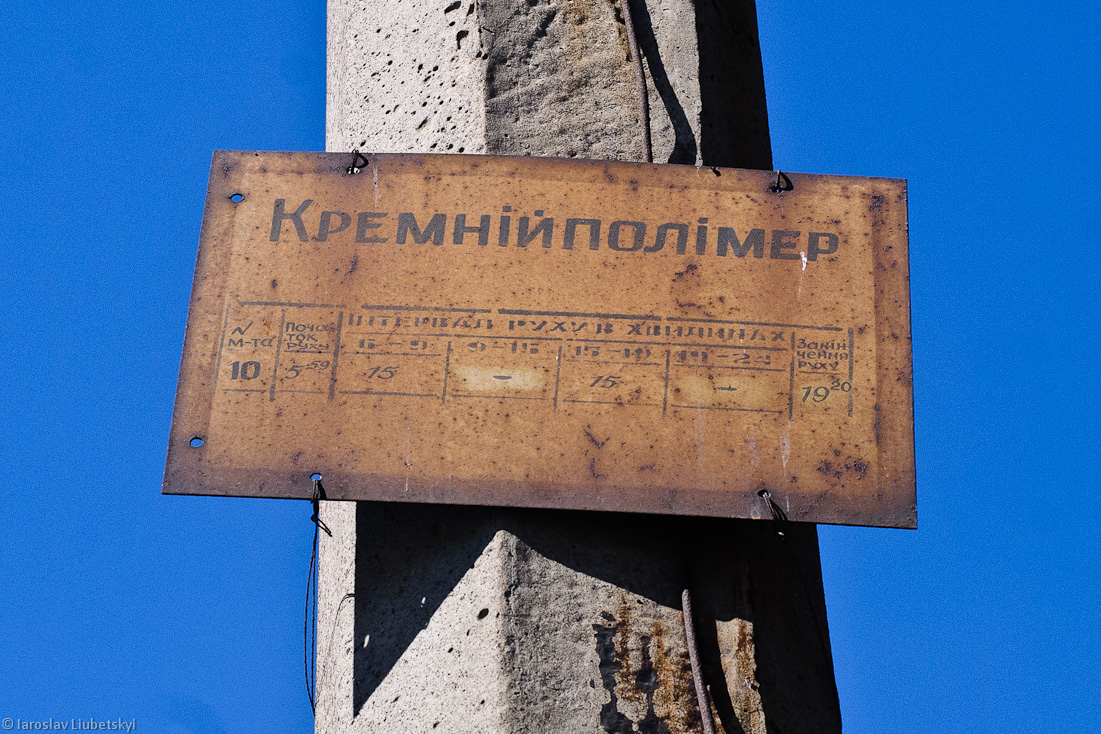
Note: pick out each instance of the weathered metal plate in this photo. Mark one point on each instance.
(549, 333)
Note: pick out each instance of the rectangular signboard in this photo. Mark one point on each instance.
(550, 333)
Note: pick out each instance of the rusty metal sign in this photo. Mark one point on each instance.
(550, 333)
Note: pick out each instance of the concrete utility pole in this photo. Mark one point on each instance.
(470, 619)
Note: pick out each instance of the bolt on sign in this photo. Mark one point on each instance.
(550, 333)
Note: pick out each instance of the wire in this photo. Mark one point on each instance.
(694, 657)
(640, 82)
(309, 631)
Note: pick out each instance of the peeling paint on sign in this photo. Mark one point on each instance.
(549, 333)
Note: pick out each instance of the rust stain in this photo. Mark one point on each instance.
(640, 675)
(593, 439)
(838, 469)
(444, 329)
(689, 269)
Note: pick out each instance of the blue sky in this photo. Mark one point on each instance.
(185, 613)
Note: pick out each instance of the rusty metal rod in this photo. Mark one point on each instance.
(694, 656)
(640, 82)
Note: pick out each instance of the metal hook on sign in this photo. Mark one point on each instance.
(783, 183)
(358, 161)
(778, 514)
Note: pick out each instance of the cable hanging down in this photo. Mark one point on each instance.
(310, 626)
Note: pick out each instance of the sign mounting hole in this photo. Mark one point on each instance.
(315, 477)
(237, 198)
(196, 442)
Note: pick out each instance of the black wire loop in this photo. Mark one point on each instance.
(315, 518)
(783, 183)
(358, 162)
(778, 515)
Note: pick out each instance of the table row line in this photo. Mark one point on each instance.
(734, 379)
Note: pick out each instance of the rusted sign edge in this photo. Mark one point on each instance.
(895, 427)
(194, 392)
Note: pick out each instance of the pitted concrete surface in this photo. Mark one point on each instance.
(511, 78)
(404, 77)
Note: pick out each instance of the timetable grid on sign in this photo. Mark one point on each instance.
(560, 358)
